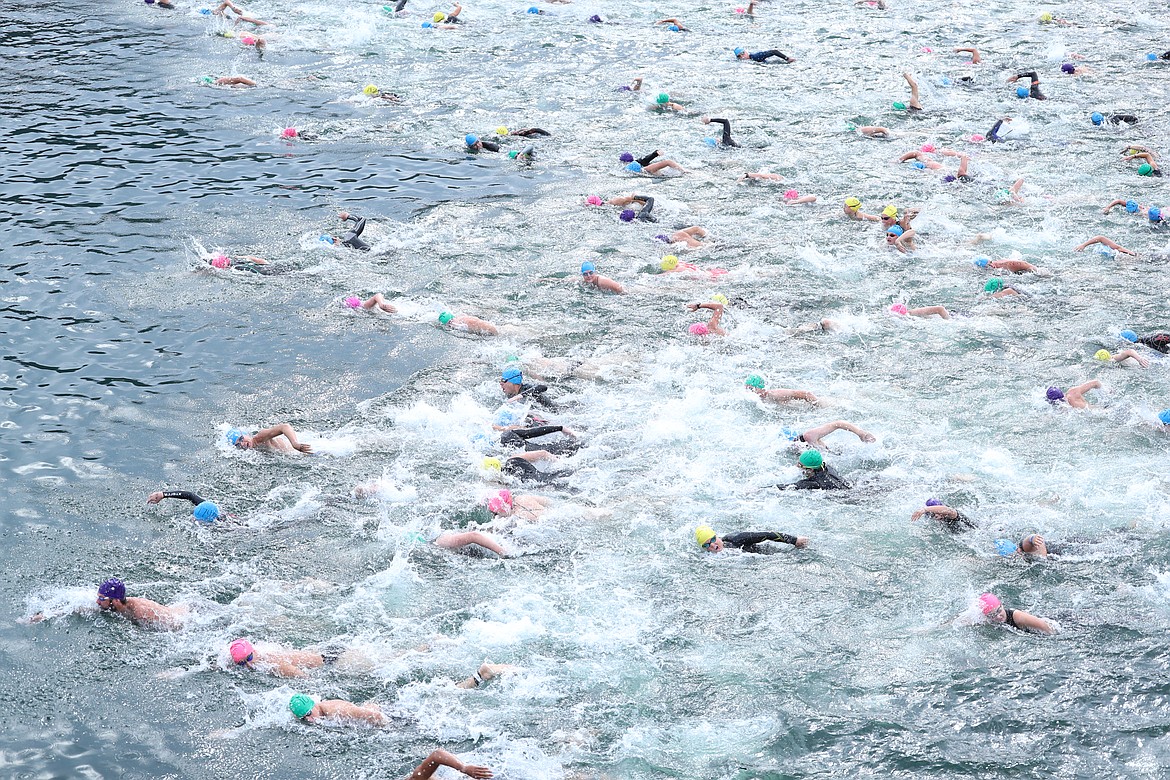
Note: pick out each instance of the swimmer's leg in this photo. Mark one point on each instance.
(914, 102)
(644, 161)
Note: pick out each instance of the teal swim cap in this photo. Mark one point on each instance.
(1145, 169)
(662, 98)
(756, 381)
(300, 704)
(513, 155)
(445, 317)
(993, 285)
(811, 459)
(899, 105)
(206, 512)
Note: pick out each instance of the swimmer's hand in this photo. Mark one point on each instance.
(692, 307)
(37, 618)
(917, 514)
(343, 215)
(868, 437)
(302, 447)
(801, 541)
(154, 497)
(471, 770)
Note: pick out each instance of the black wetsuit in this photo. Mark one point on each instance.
(1034, 88)
(762, 56)
(645, 213)
(958, 523)
(1158, 341)
(747, 540)
(537, 393)
(184, 494)
(526, 472)
(1117, 119)
(993, 133)
(520, 437)
(1010, 618)
(823, 478)
(528, 132)
(351, 239)
(644, 161)
(727, 139)
(399, 6)
(490, 146)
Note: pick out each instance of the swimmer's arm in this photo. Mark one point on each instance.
(938, 511)
(1126, 354)
(284, 668)
(1112, 205)
(458, 10)
(187, 495)
(1032, 623)
(284, 429)
(1080, 390)
(1029, 74)
(975, 58)
(439, 758)
(637, 84)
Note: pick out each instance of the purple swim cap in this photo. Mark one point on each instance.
(626, 157)
(627, 215)
(933, 502)
(1068, 67)
(113, 588)
(950, 177)
(1054, 394)
(662, 238)
(595, 19)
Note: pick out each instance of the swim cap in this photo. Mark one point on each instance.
(352, 301)
(113, 588)
(626, 157)
(221, 261)
(662, 99)
(756, 381)
(928, 148)
(533, 10)
(1129, 336)
(790, 434)
(491, 464)
(247, 40)
(370, 90)
(300, 704)
(1054, 394)
(206, 512)
(919, 164)
(596, 20)
(1046, 17)
(988, 603)
(1164, 417)
(208, 79)
(1145, 169)
(890, 211)
(1068, 67)
(704, 534)
(1151, 57)
(1021, 92)
(289, 132)
(513, 375)
(438, 17)
(673, 28)
(234, 436)
(811, 459)
(737, 51)
(470, 139)
(512, 155)
(791, 194)
(698, 329)
(977, 138)
(950, 177)
(719, 298)
(669, 263)
(993, 285)
(1155, 214)
(899, 105)
(899, 308)
(627, 215)
(426, 25)
(933, 502)
(1102, 354)
(240, 649)
(634, 167)
(588, 267)
(853, 202)
(501, 503)
(662, 238)
(445, 317)
(1097, 117)
(1005, 547)
(710, 142)
(982, 262)
(594, 200)
(1131, 206)
(895, 229)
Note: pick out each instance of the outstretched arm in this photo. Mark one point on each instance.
(439, 758)
(284, 429)
(975, 58)
(1032, 623)
(1107, 242)
(186, 495)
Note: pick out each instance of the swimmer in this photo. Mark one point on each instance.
(1010, 195)
(975, 57)
(922, 160)
(655, 168)
(644, 214)
(763, 56)
(691, 236)
(513, 386)
(375, 301)
(228, 81)
(748, 541)
(1159, 342)
(1116, 247)
(467, 323)
(762, 176)
(998, 289)
(813, 436)
(519, 465)
(1010, 265)
(351, 239)
(712, 326)
(995, 612)
(922, 311)
(673, 24)
(518, 435)
(439, 758)
(670, 264)
(288, 662)
(1075, 397)
(1131, 206)
(222, 261)
(1099, 119)
(1034, 87)
(240, 17)
(1000, 131)
(340, 711)
(794, 198)
(902, 240)
(817, 475)
(268, 438)
(878, 4)
(111, 597)
(373, 92)
(727, 140)
(1047, 18)
(874, 131)
(1118, 358)
(1149, 166)
(778, 395)
(952, 519)
(590, 277)
(526, 132)
(205, 511)
(476, 144)
(636, 85)
(853, 211)
(915, 103)
(664, 103)
(961, 174)
(505, 504)
(1070, 69)
(889, 217)
(451, 18)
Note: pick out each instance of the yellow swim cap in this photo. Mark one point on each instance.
(370, 90)
(890, 211)
(669, 263)
(719, 298)
(501, 130)
(704, 534)
(1046, 17)
(438, 17)
(492, 464)
(852, 202)
(1102, 354)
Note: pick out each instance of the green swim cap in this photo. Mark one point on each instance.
(811, 459)
(513, 155)
(663, 98)
(445, 317)
(1145, 169)
(993, 285)
(756, 381)
(899, 105)
(300, 704)
(208, 79)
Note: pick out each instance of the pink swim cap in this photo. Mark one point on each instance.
(247, 40)
(501, 503)
(739, 10)
(791, 194)
(220, 261)
(593, 200)
(240, 650)
(289, 132)
(975, 139)
(928, 148)
(989, 603)
(899, 308)
(698, 329)
(352, 301)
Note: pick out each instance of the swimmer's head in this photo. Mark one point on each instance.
(112, 589)
(426, 25)
(370, 90)
(928, 148)
(811, 459)
(512, 375)
(588, 267)
(626, 157)
(1096, 117)
(738, 51)
(1152, 57)
(247, 40)
(663, 238)
(438, 17)
(1005, 547)
(710, 142)
(533, 10)
(1054, 395)
(933, 502)
(627, 215)
(674, 28)
(1164, 417)
(491, 464)
(993, 285)
(595, 19)
(221, 261)
(1021, 92)
(704, 535)
(241, 651)
(289, 132)
(977, 138)
(950, 177)
(470, 139)
(790, 433)
(894, 230)
(853, 203)
(890, 211)
(1145, 169)
(899, 105)
(791, 195)
(988, 602)
(982, 262)
(755, 381)
(662, 99)
(512, 155)
(719, 298)
(634, 167)
(301, 705)
(445, 317)
(1068, 67)
(1046, 17)
(208, 79)
(501, 503)
(1131, 206)
(919, 165)
(326, 239)
(698, 329)
(1155, 214)
(669, 263)
(352, 301)
(1102, 354)
(594, 200)
(207, 512)
(899, 308)
(1129, 336)
(234, 437)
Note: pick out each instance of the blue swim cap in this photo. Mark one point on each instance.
(1005, 547)
(206, 512)
(790, 434)
(1131, 206)
(919, 164)
(512, 375)
(1129, 336)
(634, 167)
(234, 435)
(1097, 117)
(738, 50)
(205, 11)
(470, 139)
(709, 141)
(533, 10)
(1155, 214)
(896, 230)
(1021, 92)
(1164, 417)
(982, 262)
(673, 28)
(427, 24)
(1151, 56)
(588, 267)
